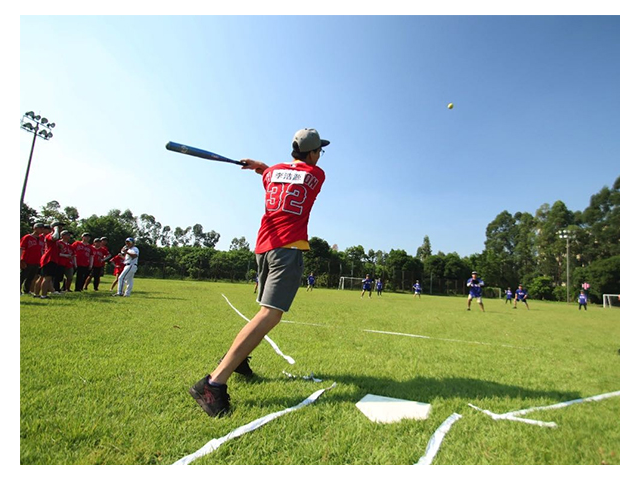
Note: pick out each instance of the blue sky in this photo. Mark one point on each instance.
(536, 118)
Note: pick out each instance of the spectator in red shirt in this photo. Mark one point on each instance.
(66, 260)
(118, 266)
(84, 260)
(48, 262)
(30, 253)
(98, 264)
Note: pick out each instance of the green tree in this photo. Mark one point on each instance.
(28, 216)
(602, 221)
(541, 288)
(182, 237)
(500, 246)
(239, 244)
(550, 247)
(604, 277)
(110, 226)
(149, 229)
(424, 250)
(456, 270)
(354, 260)
(403, 269)
(318, 258)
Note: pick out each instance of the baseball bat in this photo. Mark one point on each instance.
(197, 152)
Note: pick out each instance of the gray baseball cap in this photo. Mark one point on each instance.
(309, 139)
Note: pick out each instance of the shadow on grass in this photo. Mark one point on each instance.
(424, 389)
(101, 296)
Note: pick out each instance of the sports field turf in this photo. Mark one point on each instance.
(104, 380)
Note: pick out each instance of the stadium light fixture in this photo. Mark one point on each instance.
(37, 132)
(568, 235)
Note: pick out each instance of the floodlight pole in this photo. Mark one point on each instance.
(26, 175)
(39, 121)
(566, 234)
(567, 269)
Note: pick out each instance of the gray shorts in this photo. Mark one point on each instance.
(279, 274)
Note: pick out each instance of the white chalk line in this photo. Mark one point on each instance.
(497, 416)
(421, 336)
(214, 444)
(594, 398)
(436, 439)
(266, 337)
(450, 340)
(515, 415)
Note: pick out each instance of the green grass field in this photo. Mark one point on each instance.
(104, 380)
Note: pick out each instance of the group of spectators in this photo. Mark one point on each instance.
(49, 260)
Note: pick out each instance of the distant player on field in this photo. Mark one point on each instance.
(521, 296)
(417, 289)
(379, 286)
(366, 286)
(508, 296)
(311, 281)
(475, 285)
(582, 300)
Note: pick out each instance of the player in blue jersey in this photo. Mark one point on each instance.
(521, 296)
(508, 296)
(311, 281)
(582, 300)
(366, 285)
(379, 286)
(417, 289)
(475, 285)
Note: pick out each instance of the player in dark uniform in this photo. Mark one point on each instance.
(475, 285)
(366, 285)
(521, 296)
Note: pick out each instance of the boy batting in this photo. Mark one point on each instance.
(290, 192)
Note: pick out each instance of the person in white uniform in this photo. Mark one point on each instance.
(130, 253)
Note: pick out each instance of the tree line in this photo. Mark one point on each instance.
(519, 248)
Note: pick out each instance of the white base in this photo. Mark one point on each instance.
(389, 410)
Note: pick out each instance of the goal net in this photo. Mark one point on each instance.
(610, 300)
(350, 283)
(492, 292)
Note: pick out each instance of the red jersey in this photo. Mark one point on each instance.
(102, 252)
(50, 250)
(83, 253)
(97, 257)
(118, 264)
(290, 191)
(31, 251)
(65, 248)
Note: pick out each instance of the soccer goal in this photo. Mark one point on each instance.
(611, 300)
(492, 292)
(350, 283)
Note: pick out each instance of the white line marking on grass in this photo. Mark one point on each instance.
(266, 337)
(436, 439)
(515, 415)
(497, 416)
(216, 442)
(449, 339)
(595, 398)
(304, 377)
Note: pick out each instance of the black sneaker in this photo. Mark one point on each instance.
(213, 400)
(243, 369)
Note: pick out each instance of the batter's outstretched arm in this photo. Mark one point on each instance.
(254, 165)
